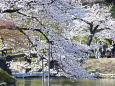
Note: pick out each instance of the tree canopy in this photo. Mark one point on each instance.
(55, 21)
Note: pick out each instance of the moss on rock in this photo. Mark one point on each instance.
(5, 77)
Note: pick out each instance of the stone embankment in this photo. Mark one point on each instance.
(100, 75)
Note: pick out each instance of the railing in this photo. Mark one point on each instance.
(5, 52)
(10, 57)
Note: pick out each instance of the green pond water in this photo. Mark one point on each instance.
(65, 82)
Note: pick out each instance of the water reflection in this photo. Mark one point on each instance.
(66, 82)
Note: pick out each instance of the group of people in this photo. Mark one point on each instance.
(104, 50)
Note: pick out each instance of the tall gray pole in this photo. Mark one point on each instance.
(43, 72)
(49, 65)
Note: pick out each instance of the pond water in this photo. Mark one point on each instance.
(65, 82)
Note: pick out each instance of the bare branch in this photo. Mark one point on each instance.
(42, 34)
(49, 3)
(82, 20)
(87, 22)
(36, 29)
(99, 30)
(26, 36)
(11, 10)
(95, 29)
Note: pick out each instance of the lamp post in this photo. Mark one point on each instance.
(43, 72)
(49, 64)
(43, 76)
(49, 56)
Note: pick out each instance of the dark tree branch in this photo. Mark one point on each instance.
(107, 28)
(91, 28)
(95, 29)
(29, 3)
(31, 17)
(11, 10)
(42, 34)
(99, 30)
(36, 29)
(87, 22)
(21, 30)
(83, 20)
(49, 3)
(52, 1)
(26, 36)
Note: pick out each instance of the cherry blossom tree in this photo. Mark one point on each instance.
(48, 17)
(98, 22)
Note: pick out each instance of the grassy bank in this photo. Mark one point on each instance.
(102, 65)
(5, 78)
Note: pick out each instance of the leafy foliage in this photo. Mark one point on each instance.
(113, 11)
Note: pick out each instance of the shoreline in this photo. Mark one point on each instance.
(103, 76)
(34, 75)
(39, 75)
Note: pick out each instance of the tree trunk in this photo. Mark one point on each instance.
(92, 33)
(90, 38)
